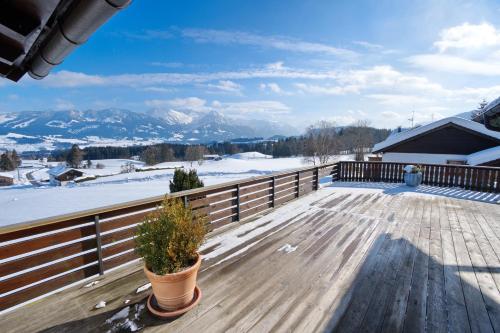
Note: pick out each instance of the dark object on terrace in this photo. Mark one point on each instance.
(36, 35)
(491, 115)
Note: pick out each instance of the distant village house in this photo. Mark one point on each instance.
(62, 174)
(6, 179)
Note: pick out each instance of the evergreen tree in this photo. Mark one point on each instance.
(15, 158)
(6, 163)
(185, 180)
(75, 156)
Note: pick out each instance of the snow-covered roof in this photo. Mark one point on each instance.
(406, 135)
(6, 175)
(492, 105)
(484, 156)
(60, 170)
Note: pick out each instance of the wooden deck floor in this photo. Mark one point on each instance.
(363, 261)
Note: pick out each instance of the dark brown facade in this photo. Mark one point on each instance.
(495, 163)
(69, 175)
(6, 181)
(447, 139)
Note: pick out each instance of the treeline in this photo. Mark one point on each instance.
(9, 160)
(340, 139)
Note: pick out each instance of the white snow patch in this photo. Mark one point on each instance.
(143, 288)
(250, 155)
(91, 284)
(484, 156)
(287, 248)
(100, 305)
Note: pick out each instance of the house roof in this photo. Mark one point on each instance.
(6, 175)
(493, 106)
(484, 156)
(409, 134)
(61, 170)
(36, 35)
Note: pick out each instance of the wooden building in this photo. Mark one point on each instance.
(61, 174)
(6, 179)
(452, 140)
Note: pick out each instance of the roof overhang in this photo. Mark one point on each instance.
(467, 125)
(36, 35)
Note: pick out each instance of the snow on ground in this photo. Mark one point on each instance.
(250, 155)
(22, 203)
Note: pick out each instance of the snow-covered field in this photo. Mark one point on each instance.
(25, 202)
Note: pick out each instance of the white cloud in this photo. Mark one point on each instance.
(400, 100)
(159, 89)
(194, 104)
(326, 90)
(149, 34)
(274, 88)
(368, 45)
(227, 86)
(167, 64)
(390, 115)
(252, 107)
(275, 42)
(62, 104)
(464, 49)
(271, 71)
(468, 36)
(455, 64)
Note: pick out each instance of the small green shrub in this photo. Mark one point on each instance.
(170, 237)
(185, 180)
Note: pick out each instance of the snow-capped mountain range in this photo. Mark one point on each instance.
(123, 125)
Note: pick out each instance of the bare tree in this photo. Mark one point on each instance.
(195, 153)
(361, 140)
(321, 142)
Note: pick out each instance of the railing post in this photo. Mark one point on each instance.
(99, 244)
(185, 199)
(274, 191)
(317, 179)
(237, 202)
(298, 184)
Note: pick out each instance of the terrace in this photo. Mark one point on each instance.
(357, 254)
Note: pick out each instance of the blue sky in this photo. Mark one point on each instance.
(296, 61)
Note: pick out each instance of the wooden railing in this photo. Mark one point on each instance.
(483, 179)
(41, 256)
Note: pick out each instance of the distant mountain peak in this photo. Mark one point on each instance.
(118, 124)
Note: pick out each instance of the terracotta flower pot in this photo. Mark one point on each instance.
(174, 291)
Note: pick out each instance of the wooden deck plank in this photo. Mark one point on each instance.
(436, 306)
(365, 261)
(478, 316)
(415, 320)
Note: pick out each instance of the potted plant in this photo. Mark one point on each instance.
(413, 175)
(168, 241)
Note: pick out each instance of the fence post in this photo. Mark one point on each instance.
(274, 191)
(237, 202)
(317, 179)
(99, 244)
(339, 171)
(185, 199)
(298, 184)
